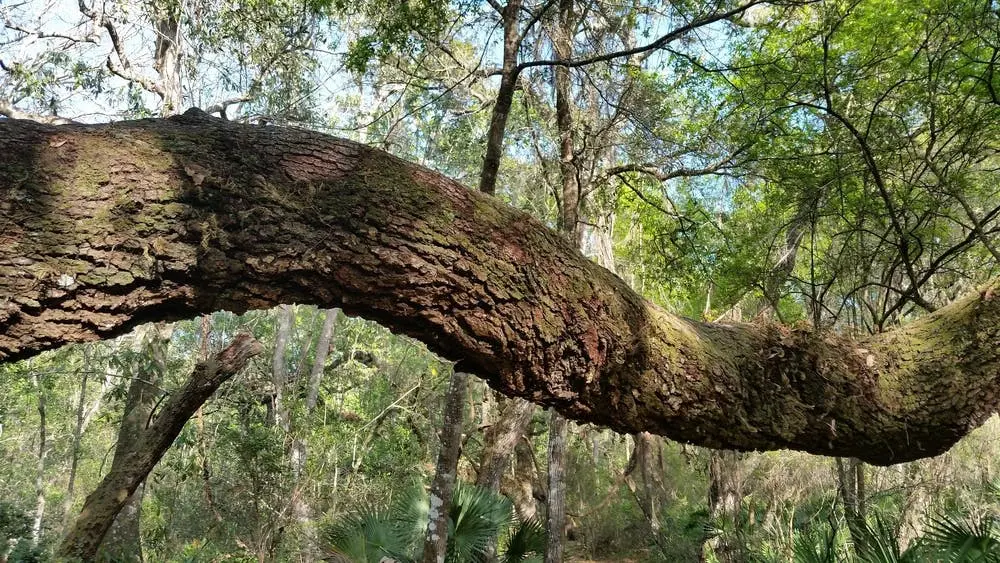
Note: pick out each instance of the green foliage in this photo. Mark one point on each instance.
(816, 546)
(368, 537)
(877, 541)
(477, 518)
(525, 541)
(15, 536)
(963, 539)
(391, 27)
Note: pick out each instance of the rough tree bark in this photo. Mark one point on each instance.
(107, 226)
(102, 505)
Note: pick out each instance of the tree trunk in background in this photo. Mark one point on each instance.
(569, 207)
(569, 204)
(148, 446)
(502, 436)
(167, 59)
(279, 366)
(512, 419)
(74, 453)
(280, 415)
(523, 493)
(646, 492)
(443, 486)
(725, 496)
(920, 494)
(43, 452)
(319, 364)
(504, 98)
(555, 514)
(301, 509)
(851, 487)
(206, 467)
(123, 542)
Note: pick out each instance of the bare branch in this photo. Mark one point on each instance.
(659, 43)
(10, 112)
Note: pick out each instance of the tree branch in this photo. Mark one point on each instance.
(101, 506)
(107, 226)
(659, 43)
(9, 111)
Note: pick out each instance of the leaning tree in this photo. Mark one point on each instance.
(103, 227)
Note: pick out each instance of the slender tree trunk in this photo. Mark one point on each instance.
(569, 208)
(513, 417)
(74, 453)
(920, 495)
(301, 509)
(725, 500)
(555, 514)
(443, 486)
(117, 487)
(279, 414)
(647, 491)
(199, 417)
(167, 59)
(279, 367)
(504, 98)
(562, 41)
(851, 487)
(43, 452)
(124, 541)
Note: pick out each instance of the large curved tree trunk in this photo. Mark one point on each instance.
(106, 226)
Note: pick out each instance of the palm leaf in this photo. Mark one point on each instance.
(877, 542)
(477, 516)
(526, 540)
(814, 546)
(958, 539)
(365, 537)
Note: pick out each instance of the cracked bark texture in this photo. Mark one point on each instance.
(103, 227)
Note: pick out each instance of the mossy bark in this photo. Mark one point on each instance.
(106, 226)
